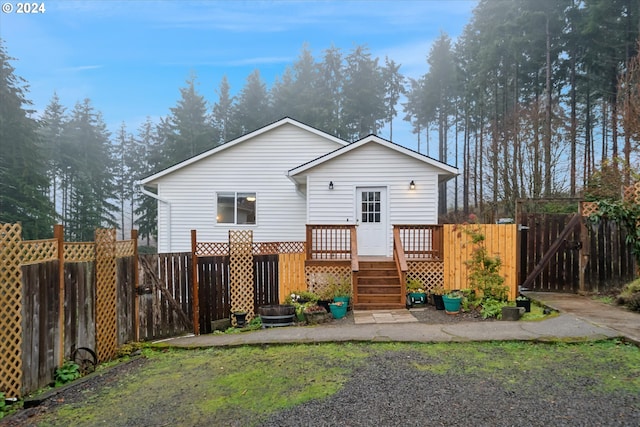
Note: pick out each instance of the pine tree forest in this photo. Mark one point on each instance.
(536, 98)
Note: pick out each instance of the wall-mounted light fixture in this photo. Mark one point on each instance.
(330, 185)
(412, 185)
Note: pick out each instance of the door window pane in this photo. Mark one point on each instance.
(371, 206)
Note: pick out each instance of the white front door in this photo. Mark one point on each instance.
(372, 220)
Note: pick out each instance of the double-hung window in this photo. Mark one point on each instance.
(236, 208)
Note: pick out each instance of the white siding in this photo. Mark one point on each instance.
(257, 165)
(373, 165)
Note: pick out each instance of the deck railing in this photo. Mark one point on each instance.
(334, 244)
(331, 242)
(419, 242)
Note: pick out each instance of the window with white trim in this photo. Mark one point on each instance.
(236, 208)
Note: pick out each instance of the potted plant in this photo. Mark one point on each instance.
(525, 302)
(340, 291)
(436, 295)
(301, 300)
(338, 309)
(452, 302)
(415, 292)
(314, 314)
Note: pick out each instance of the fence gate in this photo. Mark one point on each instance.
(608, 262)
(538, 234)
(165, 300)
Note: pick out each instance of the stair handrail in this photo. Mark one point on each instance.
(401, 262)
(355, 264)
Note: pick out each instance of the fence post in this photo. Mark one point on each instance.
(136, 284)
(106, 294)
(58, 234)
(194, 280)
(241, 273)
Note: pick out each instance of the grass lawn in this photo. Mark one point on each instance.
(240, 386)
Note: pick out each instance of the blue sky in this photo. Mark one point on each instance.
(131, 57)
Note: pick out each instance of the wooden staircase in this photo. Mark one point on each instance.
(379, 286)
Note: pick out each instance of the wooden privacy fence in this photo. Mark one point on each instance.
(593, 257)
(241, 275)
(500, 241)
(56, 296)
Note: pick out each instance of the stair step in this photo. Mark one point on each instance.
(379, 286)
(392, 298)
(377, 272)
(385, 265)
(369, 281)
(378, 306)
(373, 288)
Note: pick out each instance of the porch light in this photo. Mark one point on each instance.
(330, 185)
(412, 185)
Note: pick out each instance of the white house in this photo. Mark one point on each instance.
(283, 176)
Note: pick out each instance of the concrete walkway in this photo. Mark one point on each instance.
(580, 319)
(625, 322)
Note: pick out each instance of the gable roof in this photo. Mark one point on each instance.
(239, 140)
(446, 171)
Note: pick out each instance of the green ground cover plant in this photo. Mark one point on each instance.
(243, 385)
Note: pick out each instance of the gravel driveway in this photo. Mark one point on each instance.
(389, 391)
(395, 387)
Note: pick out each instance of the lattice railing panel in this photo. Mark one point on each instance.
(275, 248)
(430, 273)
(241, 272)
(632, 193)
(36, 251)
(589, 208)
(10, 310)
(106, 326)
(319, 277)
(212, 249)
(79, 252)
(125, 248)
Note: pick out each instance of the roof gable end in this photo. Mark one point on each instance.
(239, 140)
(445, 168)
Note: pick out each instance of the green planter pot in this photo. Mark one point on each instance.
(451, 305)
(338, 311)
(417, 298)
(344, 300)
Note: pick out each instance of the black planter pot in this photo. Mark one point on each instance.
(241, 318)
(324, 304)
(524, 303)
(438, 302)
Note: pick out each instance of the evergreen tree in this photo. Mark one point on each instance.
(363, 89)
(223, 112)
(51, 129)
(330, 95)
(394, 88)
(91, 189)
(23, 168)
(126, 159)
(282, 95)
(148, 154)
(252, 108)
(189, 130)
